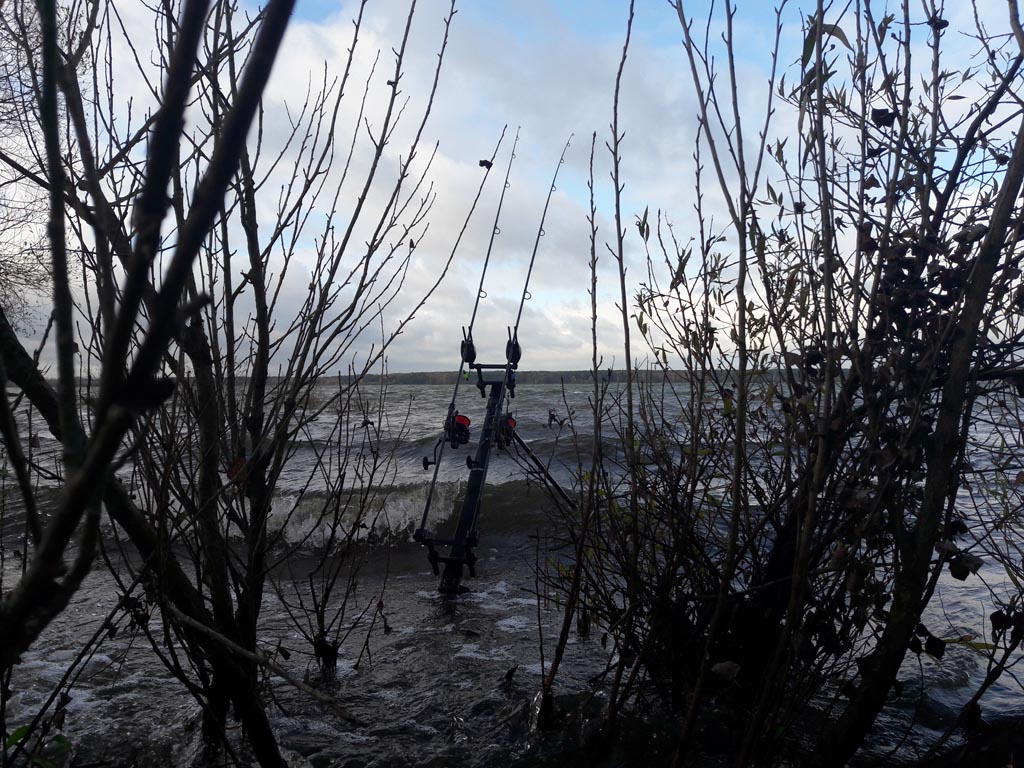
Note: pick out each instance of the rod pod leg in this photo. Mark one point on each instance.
(465, 534)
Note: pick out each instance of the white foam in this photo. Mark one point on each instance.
(473, 651)
(515, 624)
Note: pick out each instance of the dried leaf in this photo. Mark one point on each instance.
(935, 647)
(883, 118)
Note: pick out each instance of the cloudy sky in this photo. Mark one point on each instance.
(546, 68)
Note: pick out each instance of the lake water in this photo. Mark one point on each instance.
(436, 688)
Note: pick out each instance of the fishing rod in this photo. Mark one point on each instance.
(513, 351)
(540, 233)
(497, 429)
(468, 351)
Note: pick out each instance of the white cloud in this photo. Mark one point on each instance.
(549, 81)
(547, 68)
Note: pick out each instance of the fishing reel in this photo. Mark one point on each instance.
(513, 352)
(504, 435)
(456, 430)
(467, 349)
(456, 433)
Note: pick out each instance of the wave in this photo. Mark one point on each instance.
(392, 514)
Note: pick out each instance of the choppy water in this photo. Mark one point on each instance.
(432, 690)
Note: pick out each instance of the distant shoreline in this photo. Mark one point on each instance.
(539, 377)
(522, 377)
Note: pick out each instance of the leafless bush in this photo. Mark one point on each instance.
(188, 375)
(834, 355)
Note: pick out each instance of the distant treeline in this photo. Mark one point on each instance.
(523, 377)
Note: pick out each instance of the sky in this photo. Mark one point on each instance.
(547, 69)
